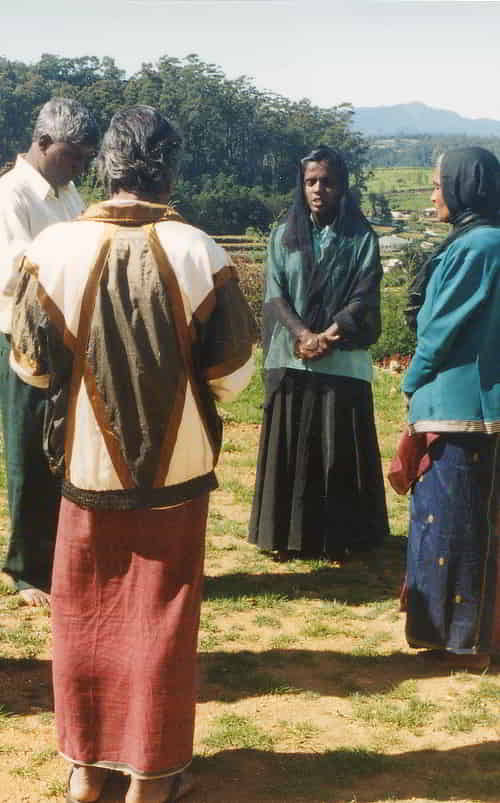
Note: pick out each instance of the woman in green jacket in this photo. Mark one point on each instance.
(319, 488)
(453, 384)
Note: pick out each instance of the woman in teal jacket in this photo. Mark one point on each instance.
(319, 489)
(453, 384)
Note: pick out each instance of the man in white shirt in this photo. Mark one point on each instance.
(37, 192)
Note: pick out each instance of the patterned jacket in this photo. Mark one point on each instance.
(135, 322)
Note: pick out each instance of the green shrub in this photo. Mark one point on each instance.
(252, 283)
(396, 337)
(411, 259)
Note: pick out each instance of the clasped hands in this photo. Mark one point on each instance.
(311, 346)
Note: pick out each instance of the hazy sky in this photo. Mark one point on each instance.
(445, 53)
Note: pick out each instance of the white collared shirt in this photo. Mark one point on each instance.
(28, 204)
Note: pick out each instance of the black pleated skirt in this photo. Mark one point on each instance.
(319, 487)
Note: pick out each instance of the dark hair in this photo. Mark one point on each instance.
(297, 235)
(66, 120)
(139, 152)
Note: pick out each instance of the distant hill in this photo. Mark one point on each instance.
(410, 119)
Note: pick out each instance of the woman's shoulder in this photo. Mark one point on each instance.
(469, 255)
(275, 243)
(277, 233)
(357, 227)
(480, 239)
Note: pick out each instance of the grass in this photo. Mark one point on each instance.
(314, 630)
(410, 713)
(242, 494)
(6, 717)
(264, 620)
(247, 409)
(351, 617)
(308, 692)
(405, 187)
(231, 730)
(477, 708)
(389, 179)
(26, 639)
(56, 789)
(218, 524)
(230, 446)
(299, 734)
(466, 721)
(372, 644)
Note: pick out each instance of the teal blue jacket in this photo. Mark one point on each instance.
(454, 376)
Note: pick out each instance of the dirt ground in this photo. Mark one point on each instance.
(308, 691)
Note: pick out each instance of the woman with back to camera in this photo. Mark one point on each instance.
(136, 323)
(319, 488)
(453, 386)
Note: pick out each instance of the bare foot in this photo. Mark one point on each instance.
(86, 784)
(35, 597)
(158, 791)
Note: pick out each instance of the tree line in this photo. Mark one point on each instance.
(421, 150)
(241, 144)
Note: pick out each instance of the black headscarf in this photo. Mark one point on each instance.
(298, 233)
(470, 184)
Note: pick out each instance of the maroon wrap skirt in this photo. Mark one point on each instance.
(126, 598)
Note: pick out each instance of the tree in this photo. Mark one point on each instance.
(241, 145)
(384, 208)
(410, 259)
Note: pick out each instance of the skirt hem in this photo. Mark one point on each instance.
(126, 769)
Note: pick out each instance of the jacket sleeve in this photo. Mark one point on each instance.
(28, 355)
(226, 338)
(359, 321)
(462, 285)
(278, 306)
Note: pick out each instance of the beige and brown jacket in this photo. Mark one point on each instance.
(136, 324)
